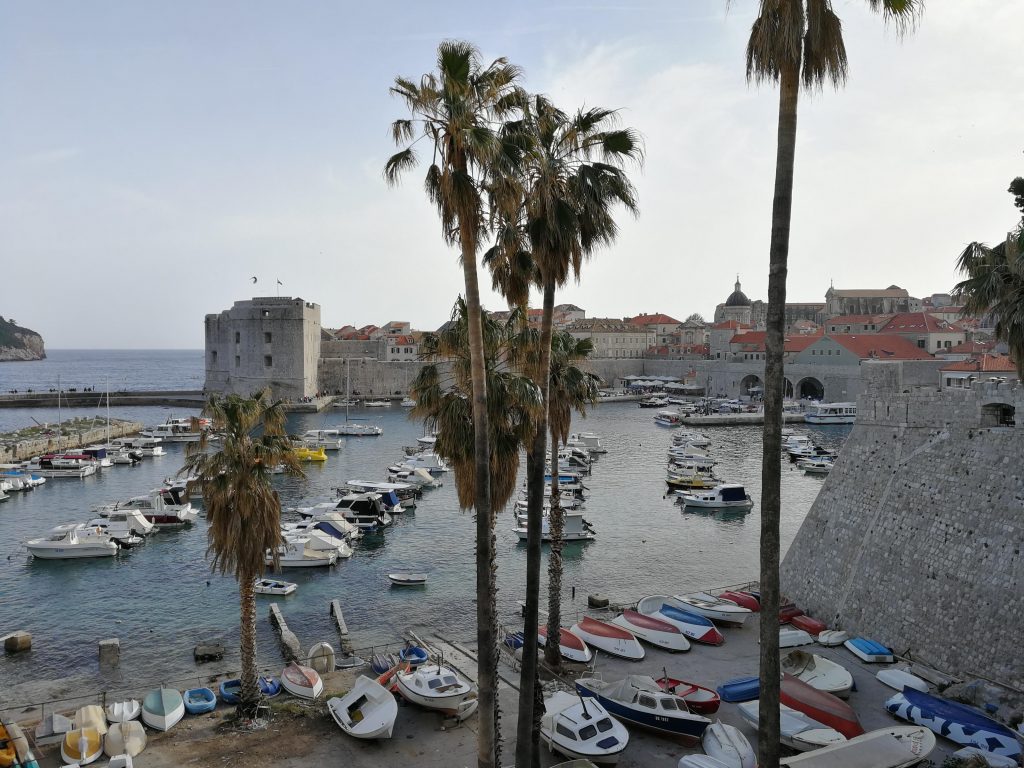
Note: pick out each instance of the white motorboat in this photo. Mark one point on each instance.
(715, 608)
(728, 745)
(681, 454)
(724, 496)
(686, 437)
(122, 523)
(896, 747)
(406, 492)
(377, 403)
(815, 466)
(818, 672)
(796, 730)
(408, 402)
(274, 587)
(576, 528)
(61, 465)
(123, 711)
(177, 430)
(414, 476)
(66, 542)
(301, 681)
(831, 413)
(147, 446)
(582, 729)
(368, 711)
(587, 440)
(322, 438)
(356, 429)
(319, 541)
(366, 511)
(436, 686)
(323, 517)
(427, 460)
(166, 507)
(295, 554)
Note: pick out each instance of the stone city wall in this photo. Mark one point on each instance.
(916, 536)
(369, 376)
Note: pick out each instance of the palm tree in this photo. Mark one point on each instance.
(456, 109)
(572, 178)
(792, 43)
(994, 283)
(243, 511)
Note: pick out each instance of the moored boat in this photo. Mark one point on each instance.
(367, 711)
(964, 725)
(67, 542)
(639, 700)
(274, 587)
(897, 747)
(609, 638)
(724, 496)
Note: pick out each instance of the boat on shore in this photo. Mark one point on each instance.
(582, 729)
(820, 706)
(162, 709)
(639, 700)
(611, 639)
(957, 722)
(367, 711)
(898, 747)
(698, 698)
(652, 630)
(715, 608)
(796, 730)
(678, 613)
(435, 686)
(301, 681)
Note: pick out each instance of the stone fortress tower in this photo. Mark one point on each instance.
(264, 342)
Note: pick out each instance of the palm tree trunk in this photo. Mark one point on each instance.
(552, 655)
(527, 735)
(488, 743)
(771, 469)
(250, 694)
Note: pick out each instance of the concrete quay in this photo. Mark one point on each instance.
(94, 399)
(736, 419)
(14, 449)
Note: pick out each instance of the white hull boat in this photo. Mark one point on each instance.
(899, 679)
(797, 730)
(897, 747)
(582, 729)
(123, 711)
(368, 711)
(818, 672)
(301, 681)
(407, 579)
(67, 543)
(791, 638)
(125, 739)
(726, 744)
(715, 608)
(297, 555)
(609, 638)
(726, 496)
(163, 708)
(832, 637)
(435, 686)
(81, 747)
(653, 630)
(274, 587)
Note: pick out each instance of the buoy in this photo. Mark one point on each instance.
(597, 601)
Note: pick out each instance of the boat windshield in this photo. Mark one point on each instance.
(604, 725)
(733, 494)
(587, 732)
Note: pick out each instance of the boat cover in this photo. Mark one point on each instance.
(733, 493)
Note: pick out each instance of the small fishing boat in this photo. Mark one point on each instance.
(787, 612)
(791, 638)
(819, 705)
(810, 625)
(128, 738)
(580, 728)
(652, 630)
(269, 686)
(231, 691)
(832, 637)
(435, 686)
(693, 625)
(818, 672)
(408, 579)
(199, 700)
(740, 689)
(274, 587)
(959, 723)
(609, 638)
(698, 698)
(413, 655)
(715, 608)
(123, 711)
(570, 646)
(897, 747)
(81, 746)
(162, 708)
(321, 658)
(301, 681)
(796, 730)
(900, 679)
(368, 711)
(869, 650)
(728, 746)
(743, 599)
(639, 700)
(724, 496)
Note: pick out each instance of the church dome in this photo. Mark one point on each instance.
(737, 298)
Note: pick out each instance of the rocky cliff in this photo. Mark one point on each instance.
(17, 343)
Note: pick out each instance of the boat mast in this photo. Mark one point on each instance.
(348, 383)
(60, 418)
(108, 410)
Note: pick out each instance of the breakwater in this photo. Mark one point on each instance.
(15, 448)
(93, 399)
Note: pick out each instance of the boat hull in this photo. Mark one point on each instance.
(820, 706)
(668, 636)
(959, 723)
(163, 709)
(368, 711)
(609, 638)
(693, 625)
(686, 729)
(897, 747)
(869, 651)
(698, 698)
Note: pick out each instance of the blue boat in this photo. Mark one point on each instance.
(869, 650)
(639, 700)
(231, 691)
(740, 689)
(269, 686)
(381, 663)
(957, 722)
(199, 700)
(414, 655)
(514, 640)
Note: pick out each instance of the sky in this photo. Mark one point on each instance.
(155, 157)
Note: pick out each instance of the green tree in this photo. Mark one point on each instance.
(572, 177)
(456, 110)
(792, 43)
(994, 283)
(243, 511)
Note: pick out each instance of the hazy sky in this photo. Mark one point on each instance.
(154, 156)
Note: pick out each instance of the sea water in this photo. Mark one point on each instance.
(161, 599)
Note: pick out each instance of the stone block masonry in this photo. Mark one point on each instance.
(915, 538)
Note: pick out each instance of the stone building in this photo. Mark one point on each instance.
(664, 327)
(926, 331)
(736, 307)
(264, 342)
(613, 338)
(962, 374)
(869, 301)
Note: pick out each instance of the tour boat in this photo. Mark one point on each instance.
(668, 419)
(821, 706)
(899, 679)
(297, 554)
(570, 645)
(162, 708)
(831, 413)
(125, 739)
(123, 711)
(652, 630)
(81, 746)
(301, 681)
(198, 701)
(959, 723)
(818, 672)
(274, 587)
(167, 507)
(898, 747)
(724, 496)
(367, 711)
(796, 730)
(715, 608)
(869, 650)
(305, 453)
(587, 440)
(653, 402)
(726, 744)
(611, 639)
(639, 700)
(67, 542)
(693, 625)
(698, 698)
(408, 579)
(355, 429)
(582, 729)
(435, 686)
(147, 446)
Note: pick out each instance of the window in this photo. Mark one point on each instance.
(921, 343)
(604, 725)
(213, 356)
(238, 337)
(587, 732)
(563, 731)
(238, 361)
(266, 313)
(268, 361)
(267, 336)
(668, 704)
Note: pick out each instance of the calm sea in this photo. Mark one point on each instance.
(161, 599)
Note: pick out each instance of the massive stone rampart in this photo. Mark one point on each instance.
(915, 538)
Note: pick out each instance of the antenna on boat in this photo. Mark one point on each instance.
(586, 712)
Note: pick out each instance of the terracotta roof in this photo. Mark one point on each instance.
(881, 347)
(857, 319)
(984, 364)
(754, 341)
(726, 325)
(970, 348)
(918, 322)
(659, 319)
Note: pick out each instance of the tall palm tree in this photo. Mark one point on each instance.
(456, 110)
(572, 178)
(243, 511)
(994, 283)
(792, 43)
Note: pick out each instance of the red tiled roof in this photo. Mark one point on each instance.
(984, 364)
(659, 319)
(727, 325)
(918, 322)
(970, 348)
(856, 319)
(754, 341)
(881, 347)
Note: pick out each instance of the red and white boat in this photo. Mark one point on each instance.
(569, 645)
(653, 630)
(821, 706)
(703, 701)
(301, 681)
(742, 599)
(608, 638)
